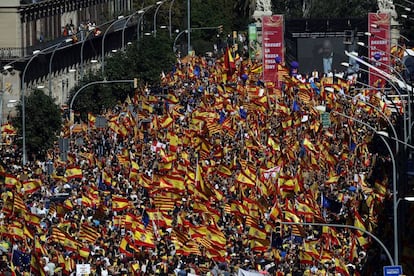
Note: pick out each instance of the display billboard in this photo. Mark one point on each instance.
(379, 45)
(321, 54)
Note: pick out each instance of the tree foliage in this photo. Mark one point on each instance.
(43, 123)
(323, 8)
(144, 61)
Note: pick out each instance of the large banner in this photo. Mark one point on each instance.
(379, 45)
(272, 44)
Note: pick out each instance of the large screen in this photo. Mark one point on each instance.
(323, 54)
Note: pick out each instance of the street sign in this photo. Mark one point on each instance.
(392, 270)
(326, 120)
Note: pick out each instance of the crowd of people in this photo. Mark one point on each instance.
(215, 176)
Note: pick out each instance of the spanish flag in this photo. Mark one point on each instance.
(126, 247)
(119, 203)
(73, 172)
(91, 120)
(31, 186)
(145, 239)
(11, 181)
(84, 252)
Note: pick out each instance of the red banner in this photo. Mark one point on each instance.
(272, 43)
(379, 45)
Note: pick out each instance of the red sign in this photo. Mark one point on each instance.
(272, 43)
(379, 45)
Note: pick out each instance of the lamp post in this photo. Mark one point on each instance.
(176, 38)
(125, 25)
(187, 31)
(331, 90)
(86, 86)
(51, 60)
(139, 23)
(141, 11)
(169, 18)
(188, 26)
(121, 17)
(159, 4)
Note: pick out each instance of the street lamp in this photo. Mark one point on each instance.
(141, 11)
(188, 26)
(23, 84)
(176, 38)
(121, 17)
(140, 21)
(169, 18)
(50, 62)
(86, 86)
(187, 31)
(159, 4)
(125, 25)
(406, 17)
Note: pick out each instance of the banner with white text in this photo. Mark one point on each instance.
(272, 44)
(379, 45)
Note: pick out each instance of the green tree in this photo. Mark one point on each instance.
(145, 61)
(43, 123)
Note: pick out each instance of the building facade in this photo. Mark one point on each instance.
(26, 27)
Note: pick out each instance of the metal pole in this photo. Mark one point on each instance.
(50, 63)
(176, 38)
(186, 31)
(394, 201)
(394, 181)
(139, 24)
(103, 44)
(344, 226)
(188, 26)
(169, 18)
(24, 159)
(155, 17)
(125, 25)
(93, 83)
